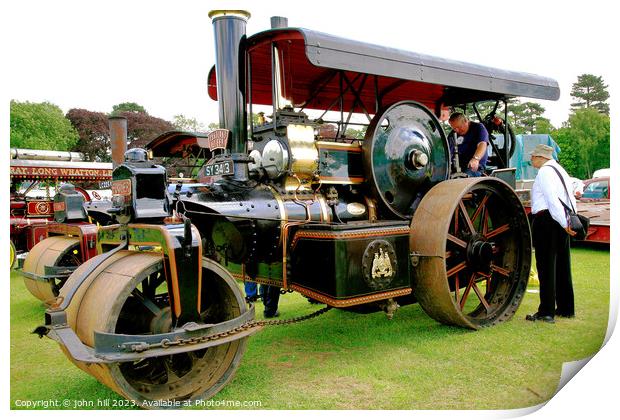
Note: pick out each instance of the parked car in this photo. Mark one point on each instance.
(596, 189)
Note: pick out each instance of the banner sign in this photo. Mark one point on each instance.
(34, 172)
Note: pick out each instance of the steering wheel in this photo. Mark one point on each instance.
(495, 124)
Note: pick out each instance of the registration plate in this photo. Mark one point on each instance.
(220, 168)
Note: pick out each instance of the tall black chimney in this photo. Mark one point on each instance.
(230, 70)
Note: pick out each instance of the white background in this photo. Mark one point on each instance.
(94, 54)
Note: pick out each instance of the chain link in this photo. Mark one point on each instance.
(166, 343)
(295, 320)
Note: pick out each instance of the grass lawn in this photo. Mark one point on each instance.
(343, 360)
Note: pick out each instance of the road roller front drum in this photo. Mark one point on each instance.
(128, 294)
(472, 241)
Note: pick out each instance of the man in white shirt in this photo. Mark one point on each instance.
(551, 237)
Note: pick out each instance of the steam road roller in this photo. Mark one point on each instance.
(286, 194)
(151, 316)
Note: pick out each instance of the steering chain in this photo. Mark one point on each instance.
(165, 343)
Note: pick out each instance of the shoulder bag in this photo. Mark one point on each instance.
(577, 222)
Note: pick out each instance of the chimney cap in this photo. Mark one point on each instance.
(244, 14)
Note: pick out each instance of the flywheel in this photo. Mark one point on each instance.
(128, 295)
(55, 251)
(471, 243)
(405, 153)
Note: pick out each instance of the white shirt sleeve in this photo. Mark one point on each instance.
(549, 182)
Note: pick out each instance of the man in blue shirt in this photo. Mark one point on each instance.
(472, 141)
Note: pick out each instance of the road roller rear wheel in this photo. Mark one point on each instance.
(474, 243)
(128, 295)
(60, 251)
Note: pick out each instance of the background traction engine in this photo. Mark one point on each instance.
(71, 241)
(150, 317)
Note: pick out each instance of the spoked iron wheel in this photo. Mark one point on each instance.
(474, 243)
(58, 251)
(128, 295)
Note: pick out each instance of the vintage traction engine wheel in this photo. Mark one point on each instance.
(55, 251)
(474, 252)
(127, 294)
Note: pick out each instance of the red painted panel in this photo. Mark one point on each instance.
(35, 235)
(40, 208)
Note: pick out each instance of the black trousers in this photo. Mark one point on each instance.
(271, 298)
(552, 249)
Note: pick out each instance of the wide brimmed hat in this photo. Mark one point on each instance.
(543, 150)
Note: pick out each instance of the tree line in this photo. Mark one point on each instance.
(44, 126)
(584, 138)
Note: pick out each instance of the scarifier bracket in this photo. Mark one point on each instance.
(115, 348)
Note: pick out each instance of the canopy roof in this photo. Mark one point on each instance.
(178, 144)
(317, 67)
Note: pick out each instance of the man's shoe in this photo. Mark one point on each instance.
(561, 315)
(537, 317)
(268, 315)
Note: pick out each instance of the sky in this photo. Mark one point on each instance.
(95, 54)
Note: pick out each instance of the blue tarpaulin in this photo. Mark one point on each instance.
(525, 145)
